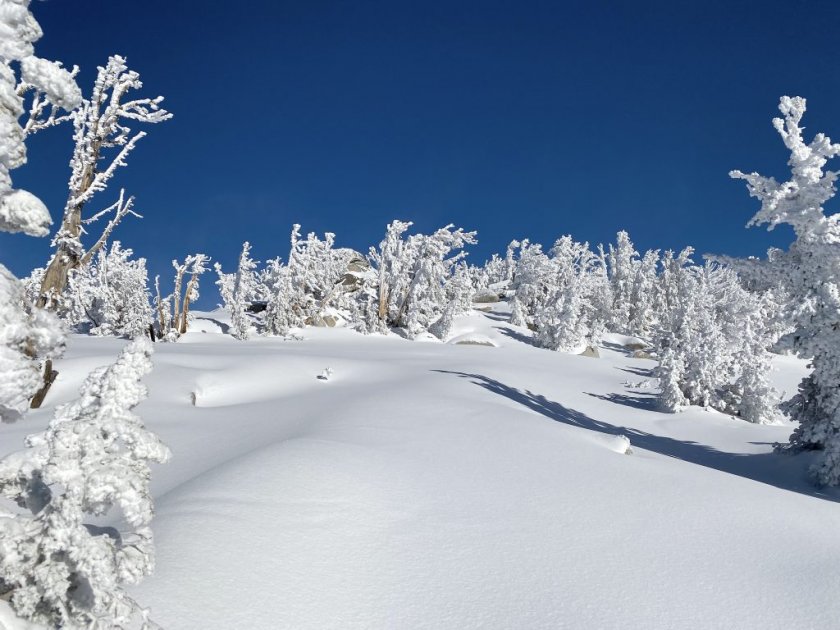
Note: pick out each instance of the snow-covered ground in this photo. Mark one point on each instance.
(461, 485)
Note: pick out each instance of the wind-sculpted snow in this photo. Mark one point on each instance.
(434, 485)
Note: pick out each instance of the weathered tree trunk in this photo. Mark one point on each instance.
(186, 310)
(49, 378)
(65, 258)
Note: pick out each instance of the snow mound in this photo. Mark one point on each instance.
(618, 444)
(472, 339)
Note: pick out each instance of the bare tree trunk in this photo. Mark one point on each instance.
(186, 310)
(49, 378)
(55, 277)
(176, 297)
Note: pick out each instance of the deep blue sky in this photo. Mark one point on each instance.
(517, 119)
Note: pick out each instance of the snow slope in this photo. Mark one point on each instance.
(444, 485)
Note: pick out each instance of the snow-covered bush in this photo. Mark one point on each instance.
(94, 456)
(810, 274)
(110, 295)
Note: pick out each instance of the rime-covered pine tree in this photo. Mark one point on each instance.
(623, 263)
(810, 272)
(94, 456)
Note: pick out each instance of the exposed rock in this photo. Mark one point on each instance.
(635, 346)
(321, 321)
(642, 354)
(473, 342)
(486, 297)
(591, 351)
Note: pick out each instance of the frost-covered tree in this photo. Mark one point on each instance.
(573, 315)
(110, 295)
(50, 85)
(238, 291)
(411, 275)
(103, 141)
(58, 569)
(810, 273)
(623, 263)
(713, 345)
(643, 316)
(173, 311)
(532, 281)
(297, 293)
(27, 336)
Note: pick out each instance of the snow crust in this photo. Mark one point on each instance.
(426, 486)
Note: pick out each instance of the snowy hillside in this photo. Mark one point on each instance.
(461, 485)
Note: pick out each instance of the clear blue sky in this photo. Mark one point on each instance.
(517, 119)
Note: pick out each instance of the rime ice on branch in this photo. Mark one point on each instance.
(100, 127)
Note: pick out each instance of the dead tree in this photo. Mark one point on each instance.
(100, 125)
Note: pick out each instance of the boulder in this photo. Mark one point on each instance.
(486, 297)
(591, 351)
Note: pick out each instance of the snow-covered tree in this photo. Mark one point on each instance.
(51, 85)
(713, 345)
(27, 336)
(532, 281)
(297, 293)
(572, 315)
(810, 274)
(411, 275)
(110, 295)
(623, 262)
(238, 291)
(643, 295)
(100, 125)
(59, 570)
(173, 311)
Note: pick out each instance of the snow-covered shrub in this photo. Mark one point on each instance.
(238, 290)
(110, 295)
(810, 274)
(94, 456)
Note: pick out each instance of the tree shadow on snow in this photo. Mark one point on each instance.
(638, 401)
(517, 336)
(781, 471)
(645, 372)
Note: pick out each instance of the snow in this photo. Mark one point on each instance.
(428, 485)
